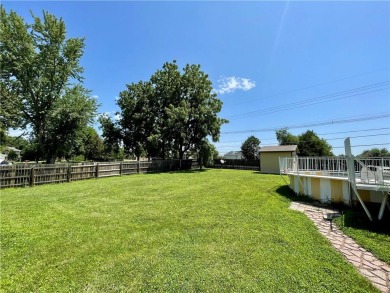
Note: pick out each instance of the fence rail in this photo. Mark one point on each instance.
(30, 175)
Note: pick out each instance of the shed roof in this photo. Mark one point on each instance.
(279, 148)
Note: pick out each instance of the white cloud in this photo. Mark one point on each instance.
(113, 114)
(117, 116)
(230, 84)
(95, 97)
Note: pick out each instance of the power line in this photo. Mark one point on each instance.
(324, 97)
(309, 104)
(351, 131)
(320, 123)
(360, 145)
(339, 132)
(313, 101)
(369, 135)
(319, 84)
(338, 138)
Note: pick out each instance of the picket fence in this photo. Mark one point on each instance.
(30, 175)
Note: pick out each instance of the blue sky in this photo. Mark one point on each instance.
(273, 64)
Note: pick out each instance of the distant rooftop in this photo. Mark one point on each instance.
(233, 153)
(13, 149)
(279, 148)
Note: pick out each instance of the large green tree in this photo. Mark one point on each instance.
(40, 76)
(138, 119)
(112, 137)
(169, 116)
(193, 114)
(250, 148)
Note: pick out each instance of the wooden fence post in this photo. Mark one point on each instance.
(120, 169)
(13, 176)
(97, 170)
(138, 167)
(69, 174)
(32, 176)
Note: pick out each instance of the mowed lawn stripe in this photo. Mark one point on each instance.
(210, 231)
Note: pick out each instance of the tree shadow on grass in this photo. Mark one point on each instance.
(190, 171)
(288, 193)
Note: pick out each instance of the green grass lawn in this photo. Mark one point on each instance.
(212, 231)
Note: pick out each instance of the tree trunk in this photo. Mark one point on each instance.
(181, 154)
(181, 151)
(50, 159)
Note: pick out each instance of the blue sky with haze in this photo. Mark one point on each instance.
(273, 64)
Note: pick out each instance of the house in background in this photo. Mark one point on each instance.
(8, 149)
(3, 157)
(235, 155)
(269, 157)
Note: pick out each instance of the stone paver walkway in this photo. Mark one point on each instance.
(377, 271)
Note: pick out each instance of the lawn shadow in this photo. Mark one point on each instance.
(353, 217)
(356, 218)
(192, 171)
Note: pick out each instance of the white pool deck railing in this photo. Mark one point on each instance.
(372, 172)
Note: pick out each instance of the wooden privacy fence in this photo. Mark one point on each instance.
(237, 164)
(30, 175)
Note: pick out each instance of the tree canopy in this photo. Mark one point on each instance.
(375, 152)
(309, 143)
(168, 116)
(40, 82)
(250, 148)
(93, 145)
(286, 138)
(206, 154)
